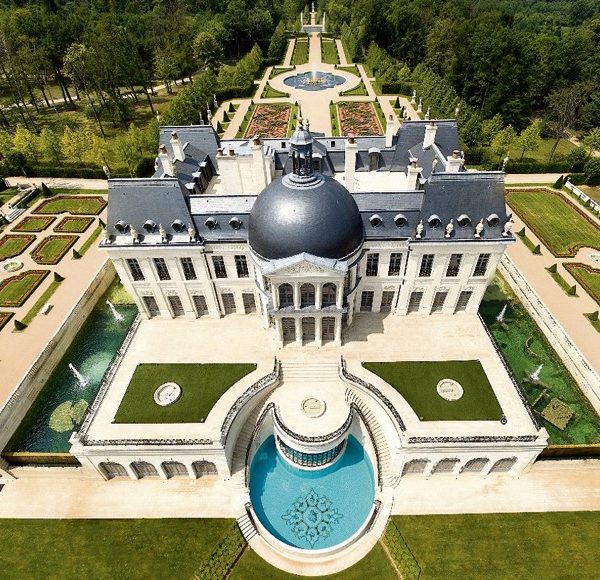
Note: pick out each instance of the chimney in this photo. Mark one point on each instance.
(163, 157)
(350, 162)
(258, 165)
(178, 153)
(389, 131)
(455, 162)
(430, 131)
(412, 174)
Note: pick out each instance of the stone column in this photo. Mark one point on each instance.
(318, 296)
(319, 330)
(275, 294)
(297, 296)
(298, 322)
(278, 330)
(339, 302)
(338, 330)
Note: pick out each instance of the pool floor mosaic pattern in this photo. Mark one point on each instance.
(310, 509)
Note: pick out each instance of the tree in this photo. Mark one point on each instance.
(26, 142)
(78, 143)
(49, 144)
(278, 44)
(529, 139)
(490, 128)
(165, 69)
(503, 141)
(563, 106)
(592, 141)
(207, 51)
(592, 170)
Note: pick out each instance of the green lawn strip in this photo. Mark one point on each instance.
(557, 277)
(492, 546)
(329, 53)
(52, 249)
(557, 222)
(533, 248)
(293, 122)
(375, 565)
(380, 114)
(77, 191)
(245, 122)
(12, 245)
(74, 225)
(147, 548)
(271, 93)
(335, 121)
(416, 381)
(277, 70)
(41, 301)
(90, 241)
(15, 290)
(75, 205)
(33, 224)
(300, 55)
(359, 90)
(202, 385)
(4, 318)
(350, 68)
(588, 278)
(524, 348)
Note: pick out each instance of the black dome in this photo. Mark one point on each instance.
(319, 217)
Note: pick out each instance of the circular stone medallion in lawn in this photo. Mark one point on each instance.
(167, 394)
(449, 389)
(313, 407)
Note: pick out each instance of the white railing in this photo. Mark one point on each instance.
(594, 205)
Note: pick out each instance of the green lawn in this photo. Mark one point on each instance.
(52, 249)
(561, 226)
(77, 205)
(74, 225)
(329, 53)
(557, 277)
(592, 191)
(11, 245)
(271, 93)
(15, 290)
(33, 224)
(375, 565)
(416, 381)
(535, 546)
(202, 385)
(300, 55)
(359, 90)
(90, 241)
(588, 278)
(41, 301)
(107, 549)
(524, 348)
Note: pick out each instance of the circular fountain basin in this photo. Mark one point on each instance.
(314, 81)
(309, 509)
(12, 266)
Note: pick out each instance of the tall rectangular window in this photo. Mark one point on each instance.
(249, 303)
(219, 266)
(189, 272)
(426, 266)
(135, 270)
(176, 305)
(395, 264)
(387, 298)
(463, 300)
(241, 265)
(161, 269)
(453, 266)
(482, 265)
(366, 301)
(372, 264)
(228, 302)
(151, 306)
(414, 302)
(200, 304)
(438, 301)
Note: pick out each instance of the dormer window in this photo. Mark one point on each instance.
(211, 223)
(464, 220)
(434, 221)
(121, 226)
(149, 226)
(400, 220)
(493, 219)
(235, 223)
(375, 220)
(178, 226)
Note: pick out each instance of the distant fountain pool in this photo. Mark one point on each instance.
(63, 400)
(314, 81)
(307, 509)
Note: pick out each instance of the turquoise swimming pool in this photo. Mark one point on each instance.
(312, 510)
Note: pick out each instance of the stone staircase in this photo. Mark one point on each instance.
(383, 450)
(14, 213)
(308, 372)
(246, 527)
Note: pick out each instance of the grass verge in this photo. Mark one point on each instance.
(81, 205)
(329, 53)
(33, 224)
(90, 241)
(271, 93)
(52, 249)
(41, 301)
(300, 55)
(12, 245)
(15, 290)
(359, 90)
(533, 248)
(556, 276)
(335, 121)
(588, 278)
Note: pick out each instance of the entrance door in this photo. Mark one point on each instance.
(414, 302)
(308, 329)
(387, 299)
(228, 302)
(151, 306)
(176, 306)
(288, 327)
(328, 328)
(249, 303)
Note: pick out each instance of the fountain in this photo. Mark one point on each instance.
(500, 317)
(535, 377)
(314, 80)
(116, 314)
(83, 381)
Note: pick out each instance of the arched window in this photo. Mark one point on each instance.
(415, 466)
(307, 295)
(144, 469)
(503, 465)
(474, 465)
(286, 295)
(204, 468)
(329, 294)
(174, 469)
(111, 469)
(445, 466)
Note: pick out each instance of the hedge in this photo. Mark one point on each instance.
(398, 87)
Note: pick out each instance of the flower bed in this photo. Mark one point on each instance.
(74, 225)
(33, 224)
(4, 318)
(11, 245)
(359, 118)
(73, 204)
(588, 277)
(272, 120)
(14, 291)
(52, 249)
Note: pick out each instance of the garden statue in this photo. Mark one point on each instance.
(479, 228)
(413, 100)
(215, 103)
(428, 113)
(134, 234)
(449, 229)
(434, 164)
(456, 112)
(420, 107)
(420, 228)
(191, 233)
(507, 229)
(505, 163)
(162, 232)
(106, 171)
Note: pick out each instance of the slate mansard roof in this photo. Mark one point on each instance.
(441, 196)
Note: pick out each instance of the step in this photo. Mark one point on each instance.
(12, 215)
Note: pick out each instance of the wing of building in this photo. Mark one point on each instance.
(310, 231)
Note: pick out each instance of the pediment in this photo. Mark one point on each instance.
(307, 265)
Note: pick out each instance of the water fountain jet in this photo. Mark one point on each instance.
(500, 317)
(535, 376)
(83, 381)
(116, 314)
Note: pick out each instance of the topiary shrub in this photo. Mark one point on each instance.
(593, 316)
(76, 254)
(553, 269)
(46, 190)
(559, 183)
(521, 232)
(58, 277)
(537, 250)
(20, 325)
(572, 291)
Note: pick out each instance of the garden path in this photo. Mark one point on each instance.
(287, 61)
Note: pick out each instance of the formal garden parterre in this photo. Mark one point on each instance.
(34, 224)
(4, 318)
(74, 225)
(270, 119)
(13, 245)
(15, 290)
(358, 118)
(588, 278)
(51, 249)
(75, 205)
